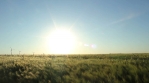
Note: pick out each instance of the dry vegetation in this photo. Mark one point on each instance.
(102, 68)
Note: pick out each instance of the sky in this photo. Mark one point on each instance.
(99, 26)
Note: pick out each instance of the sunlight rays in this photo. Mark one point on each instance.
(61, 41)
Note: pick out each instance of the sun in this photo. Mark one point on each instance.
(61, 41)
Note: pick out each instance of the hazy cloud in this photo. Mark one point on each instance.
(128, 17)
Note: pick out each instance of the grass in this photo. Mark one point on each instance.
(97, 68)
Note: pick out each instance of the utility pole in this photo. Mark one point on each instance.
(11, 50)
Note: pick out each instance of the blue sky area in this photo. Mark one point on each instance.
(100, 26)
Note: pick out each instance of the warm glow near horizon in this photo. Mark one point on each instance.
(61, 41)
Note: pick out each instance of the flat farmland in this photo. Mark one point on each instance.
(75, 68)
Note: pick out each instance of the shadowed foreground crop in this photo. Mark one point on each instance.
(102, 68)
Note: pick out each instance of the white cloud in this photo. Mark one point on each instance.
(128, 17)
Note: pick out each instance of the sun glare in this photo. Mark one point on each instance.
(61, 42)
